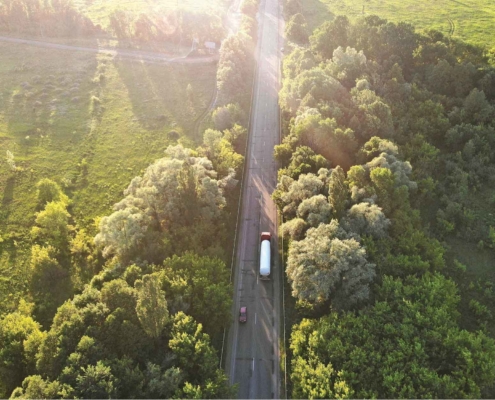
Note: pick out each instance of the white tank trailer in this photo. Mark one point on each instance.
(265, 255)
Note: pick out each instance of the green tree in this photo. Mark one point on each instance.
(324, 137)
(85, 259)
(407, 345)
(347, 65)
(249, 7)
(476, 108)
(192, 347)
(49, 284)
(52, 225)
(118, 295)
(159, 208)
(299, 60)
(225, 117)
(366, 219)
(374, 115)
(330, 35)
(198, 360)
(151, 307)
(122, 232)
(296, 29)
(163, 384)
(315, 211)
(96, 382)
(291, 193)
(314, 82)
(326, 265)
(48, 191)
(35, 387)
(203, 283)
(19, 337)
(302, 161)
(292, 7)
(338, 193)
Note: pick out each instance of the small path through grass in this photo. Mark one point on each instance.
(140, 55)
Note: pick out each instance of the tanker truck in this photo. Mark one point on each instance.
(265, 255)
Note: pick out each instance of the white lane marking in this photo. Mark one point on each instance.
(255, 319)
(253, 364)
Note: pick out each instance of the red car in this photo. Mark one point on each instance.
(243, 314)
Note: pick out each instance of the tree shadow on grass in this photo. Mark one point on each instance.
(159, 94)
(8, 192)
(51, 94)
(316, 13)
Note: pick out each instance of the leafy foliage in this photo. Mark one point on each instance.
(116, 339)
(404, 122)
(407, 345)
(327, 265)
(174, 194)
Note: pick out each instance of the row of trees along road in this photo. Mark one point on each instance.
(134, 306)
(142, 326)
(387, 134)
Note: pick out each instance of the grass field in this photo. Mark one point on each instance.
(469, 20)
(99, 10)
(62, 110)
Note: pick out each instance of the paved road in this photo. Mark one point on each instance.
(148, 57)
(253, 354)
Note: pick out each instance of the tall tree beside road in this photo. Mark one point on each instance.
(296, 29)
(325, 265)
(174, 194)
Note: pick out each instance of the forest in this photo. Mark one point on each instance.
(134, 305)
(386, 196)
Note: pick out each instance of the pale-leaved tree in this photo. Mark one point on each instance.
(326, 265)
(366, 219)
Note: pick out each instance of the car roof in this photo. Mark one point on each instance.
(243, 309)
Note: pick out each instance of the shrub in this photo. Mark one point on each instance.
(173, 135)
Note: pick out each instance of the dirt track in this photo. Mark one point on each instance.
(136, 55)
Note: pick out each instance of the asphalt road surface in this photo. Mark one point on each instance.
(253, 354)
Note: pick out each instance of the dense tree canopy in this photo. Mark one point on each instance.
(118, 338)
(387, 165)
(407, 345)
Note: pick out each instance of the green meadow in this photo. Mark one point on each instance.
(99, 10)
(469, 20)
